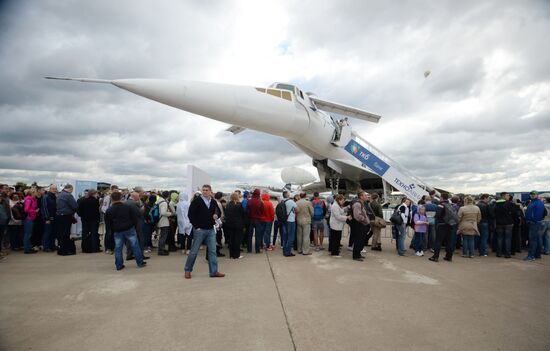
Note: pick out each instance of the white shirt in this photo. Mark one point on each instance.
(337, 217)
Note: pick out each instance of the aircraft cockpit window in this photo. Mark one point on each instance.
(283, 94)
(274, 92)
(286, 95)
(285, 87)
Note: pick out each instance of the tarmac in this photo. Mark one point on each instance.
(270, 302)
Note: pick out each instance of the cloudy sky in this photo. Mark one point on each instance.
(478, 122)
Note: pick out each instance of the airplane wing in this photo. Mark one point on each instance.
(84, 80)
(341, 109)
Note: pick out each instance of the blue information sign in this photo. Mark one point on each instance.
(367, 158)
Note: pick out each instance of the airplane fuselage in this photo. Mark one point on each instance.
(288, 113)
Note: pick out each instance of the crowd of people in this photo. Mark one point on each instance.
(40, 219)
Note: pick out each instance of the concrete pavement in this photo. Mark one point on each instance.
(269, 302)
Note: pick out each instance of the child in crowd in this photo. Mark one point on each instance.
(420, 229)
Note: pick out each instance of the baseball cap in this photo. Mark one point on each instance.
(534, 192)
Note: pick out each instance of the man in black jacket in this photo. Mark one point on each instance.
(48, 208)
(444, 222)
(121, 221)
(88, 210)
(203, 215)
(503, 213)
(484, 224)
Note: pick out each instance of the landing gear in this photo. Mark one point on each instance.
(333, 186)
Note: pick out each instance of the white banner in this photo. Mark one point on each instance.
(404, 184)
(196, 178)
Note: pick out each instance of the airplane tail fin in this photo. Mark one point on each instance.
(85, 80)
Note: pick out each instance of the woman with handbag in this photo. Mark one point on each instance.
(378, 223)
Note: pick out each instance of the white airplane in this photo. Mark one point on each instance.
(339, 154)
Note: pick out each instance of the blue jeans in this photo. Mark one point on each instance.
(27, 232)
(209, 237)
(545, 235)
(535, 240)
(267, 233)
(401, 239)
(278, 228)
(289, 235)
(47, 237)
(418, 241)
(468, 245)
(504, 239)
(483, 237)
(131, 236)
(147, 229)
(255, 228)
(454, 229)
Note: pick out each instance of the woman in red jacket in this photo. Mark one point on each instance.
(31, 211)
(267, 219)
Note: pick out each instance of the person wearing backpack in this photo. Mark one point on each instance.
(289, 229)
(281, 218)
(304, 211)
(317, 221)
(445, 218)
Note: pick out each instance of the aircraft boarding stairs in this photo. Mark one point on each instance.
(379, 163)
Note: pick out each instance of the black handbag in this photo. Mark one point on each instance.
(396, 218)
